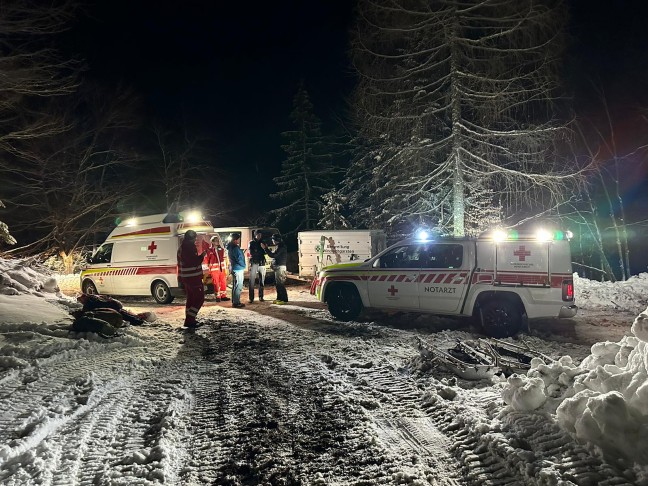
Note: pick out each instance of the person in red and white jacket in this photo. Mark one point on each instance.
(190, 275)
(216, 260)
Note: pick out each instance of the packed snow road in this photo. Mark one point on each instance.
(274, 395)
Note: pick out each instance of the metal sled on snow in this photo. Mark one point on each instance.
(482, 358)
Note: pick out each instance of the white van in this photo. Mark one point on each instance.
(246, 233)
(139, 257)
(320, 248)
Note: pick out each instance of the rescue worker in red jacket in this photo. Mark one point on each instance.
(190, 275)
(216, 261)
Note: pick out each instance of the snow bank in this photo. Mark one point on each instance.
(629, 295)
(602, 402)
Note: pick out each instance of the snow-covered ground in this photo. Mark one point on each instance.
(286, 395)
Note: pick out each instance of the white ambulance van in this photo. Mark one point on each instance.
(139, 257)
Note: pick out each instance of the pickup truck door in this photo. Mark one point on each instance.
(444, 277)
(393, 279)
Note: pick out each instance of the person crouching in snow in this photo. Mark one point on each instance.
(216, 262)
(190, 275)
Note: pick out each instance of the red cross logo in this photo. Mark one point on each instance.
(522, 253)
(392, 290)
(152, 247)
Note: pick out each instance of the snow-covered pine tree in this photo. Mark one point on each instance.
(458, 98)
(308, 172)
(333, 211)
(5, 237)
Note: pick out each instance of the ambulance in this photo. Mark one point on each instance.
(139, 257)
(501, 278)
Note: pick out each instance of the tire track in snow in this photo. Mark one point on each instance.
(85, 425)
(495, 457)
(286, 416)
(403, 428)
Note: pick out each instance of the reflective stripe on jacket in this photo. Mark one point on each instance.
(189, 262)
(215, 258)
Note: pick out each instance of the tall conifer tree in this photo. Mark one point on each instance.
(456, 107)
(307, 173)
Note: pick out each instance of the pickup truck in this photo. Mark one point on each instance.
(500, 278)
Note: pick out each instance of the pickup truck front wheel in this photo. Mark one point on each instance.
(500, 318)
(344, 302)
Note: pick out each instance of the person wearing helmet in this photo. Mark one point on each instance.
(216, 262)
(237, 268)
(190, 276)
(279, 257)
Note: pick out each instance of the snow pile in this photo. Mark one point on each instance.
(26, 277)
(35, 318)
(629, 295)
(603, 401)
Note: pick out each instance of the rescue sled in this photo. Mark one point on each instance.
(511, 358)
(463, 360)
(482, 358)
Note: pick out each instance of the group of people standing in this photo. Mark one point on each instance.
(220, 259)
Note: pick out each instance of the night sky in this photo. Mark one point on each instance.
(228, 70)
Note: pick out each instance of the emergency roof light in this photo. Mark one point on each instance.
(541, 234)
(422, 235)
(499, 235)
(544, 235)
(131, 222)
(193, 217)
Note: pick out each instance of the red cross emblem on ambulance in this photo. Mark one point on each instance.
(392, 290)
(152, 247)
(522, 253)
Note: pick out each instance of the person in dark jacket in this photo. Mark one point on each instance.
(279, 256)
(190, 275)
(257, 264)
(237, 268)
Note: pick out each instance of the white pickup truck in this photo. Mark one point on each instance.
(500, 278)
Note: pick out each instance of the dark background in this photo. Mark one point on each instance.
(228, 71)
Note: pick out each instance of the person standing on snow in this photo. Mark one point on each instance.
(217, 265)
(237, 268)
(279, 256)
(257, 264)
(190, 275)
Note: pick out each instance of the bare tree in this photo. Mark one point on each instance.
(180, 174)
(31, 69)
(31, 72)
(609, 157)
(68, 186)
(456, 103)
